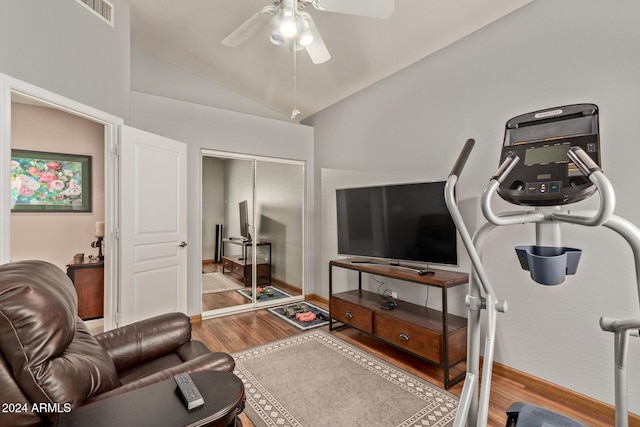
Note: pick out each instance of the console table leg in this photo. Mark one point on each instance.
(445, 335)
(330, 293)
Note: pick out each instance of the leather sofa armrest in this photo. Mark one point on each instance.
(213, 361)
(145, 340)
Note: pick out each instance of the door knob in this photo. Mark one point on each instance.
(183, 244)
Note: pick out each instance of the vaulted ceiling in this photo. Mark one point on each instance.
(188, 33)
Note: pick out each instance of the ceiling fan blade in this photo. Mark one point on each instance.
(371, 8)
(249, 27)
(317, 50)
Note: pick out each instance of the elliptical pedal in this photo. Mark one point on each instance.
(521, 414)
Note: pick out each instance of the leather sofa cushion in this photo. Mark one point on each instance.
(51, 354)
(149, 368)
(191, 350)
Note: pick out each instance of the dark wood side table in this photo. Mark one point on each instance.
(159, 404)
(88, 278)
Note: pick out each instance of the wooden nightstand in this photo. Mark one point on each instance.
(88, 278)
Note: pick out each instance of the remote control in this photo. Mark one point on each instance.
(189, 392)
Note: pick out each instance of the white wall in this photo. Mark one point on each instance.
(212, 203)
(413, 124)
(238, 186)
(57, 236)
(152, 75)
(210, 128)
(60, 46)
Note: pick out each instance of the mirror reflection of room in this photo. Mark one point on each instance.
(239, 219)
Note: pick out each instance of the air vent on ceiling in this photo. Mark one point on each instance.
(101, 8)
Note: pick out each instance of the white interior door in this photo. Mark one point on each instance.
(153, 225)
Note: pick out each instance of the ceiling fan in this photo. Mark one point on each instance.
(291, 24)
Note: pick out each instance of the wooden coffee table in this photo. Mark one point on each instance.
(160, 405)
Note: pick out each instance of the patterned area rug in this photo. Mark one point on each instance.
(281, 313)
(218, 282)
(315, 379)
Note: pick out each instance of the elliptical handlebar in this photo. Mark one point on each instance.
(610, 324)
(456, 216)
(506, 167)
(463, 157)
(584, 162)
(607, 194)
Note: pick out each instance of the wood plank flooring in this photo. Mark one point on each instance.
(241, 331)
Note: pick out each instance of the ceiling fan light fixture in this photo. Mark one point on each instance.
(305, 35)
(306, 38)
(288, 27)
(295, 46)
(277, 39)
(287, 18)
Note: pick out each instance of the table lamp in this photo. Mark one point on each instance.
(98, 232)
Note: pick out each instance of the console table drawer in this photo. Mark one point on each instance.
(409, 336)
(232, 266)
(352, 314)
(242, 267)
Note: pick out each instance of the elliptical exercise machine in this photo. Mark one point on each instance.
(550, 158)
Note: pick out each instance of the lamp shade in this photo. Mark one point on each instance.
(98, 229)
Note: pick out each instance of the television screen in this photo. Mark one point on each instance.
(397, 222)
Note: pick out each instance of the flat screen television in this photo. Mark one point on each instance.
(403, 222)
(244, 220)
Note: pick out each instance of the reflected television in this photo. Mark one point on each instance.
(243, 208)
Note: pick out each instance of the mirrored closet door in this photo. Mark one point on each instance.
(252, 232)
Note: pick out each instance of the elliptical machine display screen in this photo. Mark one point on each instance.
(545, 176)
(546, 154)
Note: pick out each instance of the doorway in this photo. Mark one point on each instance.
(253, 211)
(78, 228)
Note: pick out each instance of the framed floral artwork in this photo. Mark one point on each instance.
(50, 182)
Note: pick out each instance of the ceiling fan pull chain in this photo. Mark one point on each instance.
(295, 111)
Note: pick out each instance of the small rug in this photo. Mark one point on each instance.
(277, 294)
(218, 282)
(316, 379)
(304, 326)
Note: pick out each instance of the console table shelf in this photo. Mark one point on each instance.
(436, 336)
(241, 264)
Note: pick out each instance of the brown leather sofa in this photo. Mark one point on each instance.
(48, 357)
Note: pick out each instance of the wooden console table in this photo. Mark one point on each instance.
(435, 336)
(88, 278)
(241, 264)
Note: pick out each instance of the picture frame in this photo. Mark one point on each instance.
(50, 182)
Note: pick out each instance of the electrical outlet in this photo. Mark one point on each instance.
(394, 295)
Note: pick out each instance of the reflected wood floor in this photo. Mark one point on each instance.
(217, 300)
(241, 331)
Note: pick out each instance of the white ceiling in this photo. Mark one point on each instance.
(188, 33)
